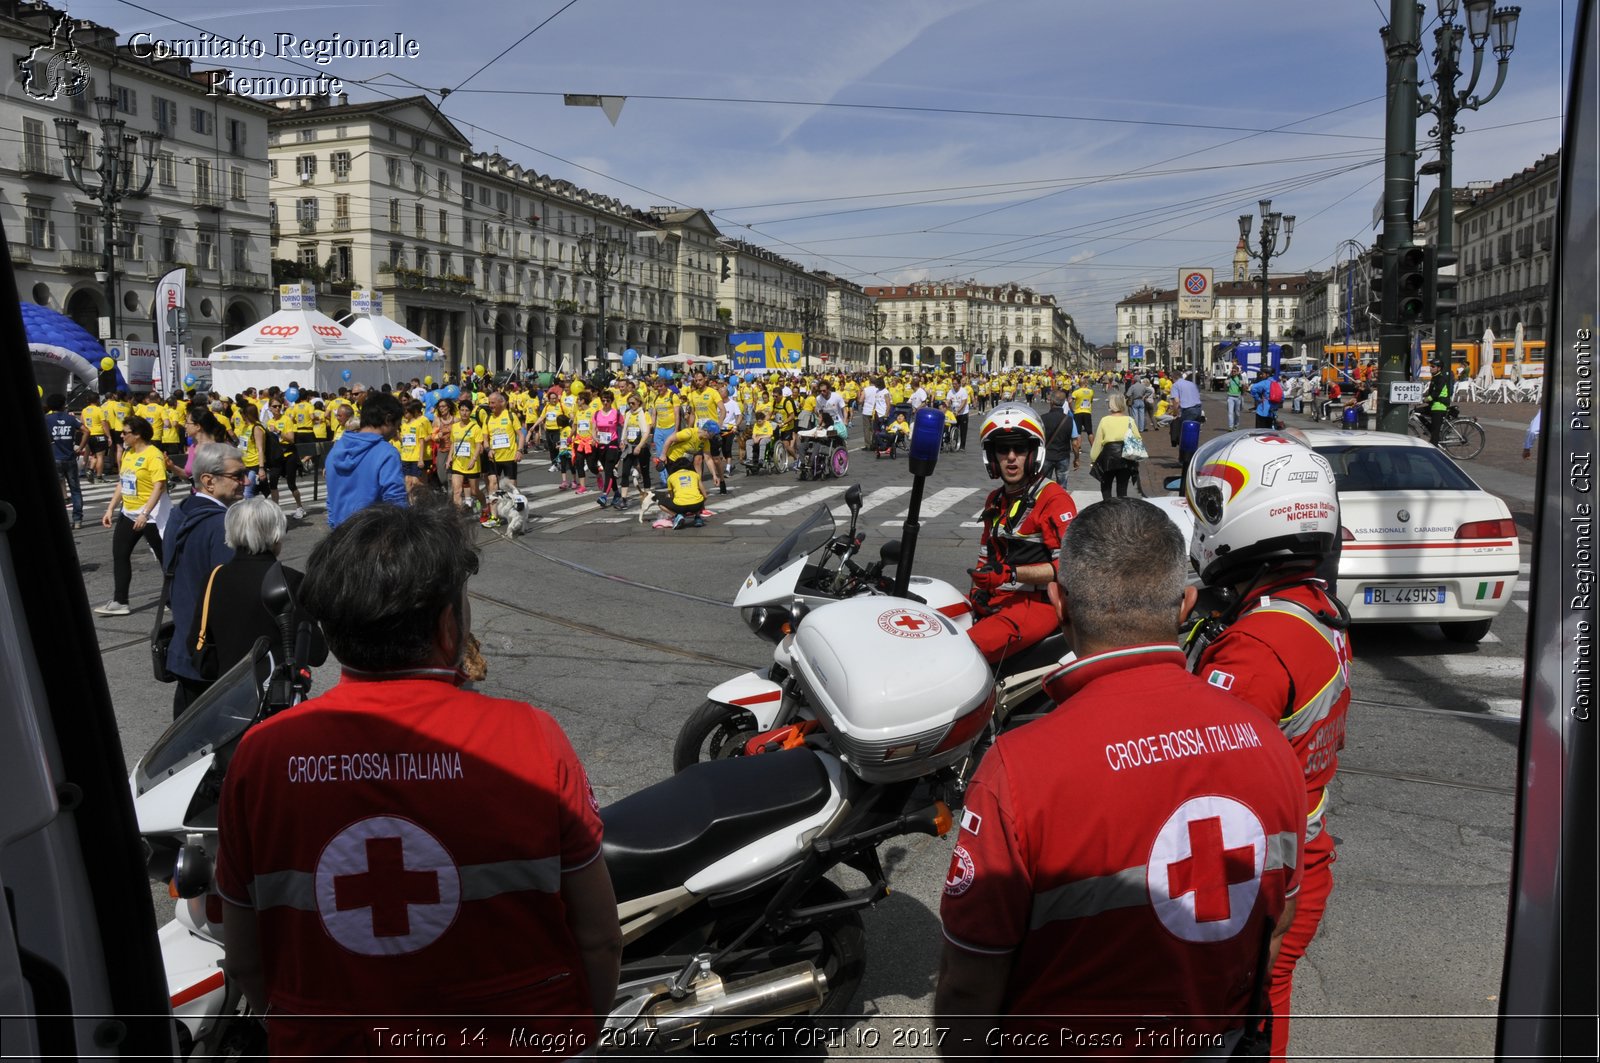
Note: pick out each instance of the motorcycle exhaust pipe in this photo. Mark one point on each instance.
(719, 1008)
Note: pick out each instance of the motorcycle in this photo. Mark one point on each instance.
(797, 588)
(728, 919)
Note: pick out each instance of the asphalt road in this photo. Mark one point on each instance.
(618, 630)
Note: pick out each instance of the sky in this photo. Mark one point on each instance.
(1080, 147)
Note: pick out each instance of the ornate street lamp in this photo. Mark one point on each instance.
(601, 257)
(1273, 225)
(1444, 104)
(117, 159)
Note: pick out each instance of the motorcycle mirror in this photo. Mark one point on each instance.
(1172, 483)
(889, 552)
(191, 871)
(852, 497)
(275, 593)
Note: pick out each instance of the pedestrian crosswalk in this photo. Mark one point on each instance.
(753, 502)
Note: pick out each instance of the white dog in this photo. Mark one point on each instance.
(511, 506)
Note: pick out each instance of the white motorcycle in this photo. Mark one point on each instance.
(763, 711)
(728, 920)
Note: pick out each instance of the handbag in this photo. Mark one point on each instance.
(161, 635)
(1133, 446)
(204, 654)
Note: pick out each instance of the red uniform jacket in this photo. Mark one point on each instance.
(1132, 849)
(402, 843)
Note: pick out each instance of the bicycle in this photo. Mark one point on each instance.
(1460, 437)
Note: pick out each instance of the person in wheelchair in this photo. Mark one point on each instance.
(758, 449)
(950, 440)
(899, 432)
(819, 444)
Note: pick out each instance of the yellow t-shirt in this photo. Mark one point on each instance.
(94, 419)
(635, 427)
(502, 432)
(319, 423)
(664, 410)
(552, 410)
(707, 405)
(685, 487)
(246, 434)
(466, 445)
(138, 475)
(413, 438)
(171, 427)
(685, 443)
(1083, 400)
(761, 431)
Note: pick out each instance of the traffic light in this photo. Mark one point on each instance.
(727, 268)
(1411, 283)
(1375, 273)
(1441, 295)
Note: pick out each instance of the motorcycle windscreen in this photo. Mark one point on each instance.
(216, 718)
(809, 535)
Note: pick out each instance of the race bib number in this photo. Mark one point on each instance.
(500, 441)
(409, 440)
(635, 434)
(606, 437)
(464, 449)
(130, 483)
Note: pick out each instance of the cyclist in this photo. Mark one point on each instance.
(1266, 513)
(1441, 387)
(1023, 522)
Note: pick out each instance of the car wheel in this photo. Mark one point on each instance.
(1467, 632)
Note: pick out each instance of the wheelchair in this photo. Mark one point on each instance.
(823, 453)
(766, 458)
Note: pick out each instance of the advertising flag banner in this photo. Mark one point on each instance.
(170, 298)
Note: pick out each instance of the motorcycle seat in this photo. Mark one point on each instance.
(1042, 654)
(660, 837)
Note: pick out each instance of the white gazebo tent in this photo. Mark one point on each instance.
(407, 354)
(298, 343)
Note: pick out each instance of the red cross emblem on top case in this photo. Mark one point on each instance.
(1204, 871)
(909, 624)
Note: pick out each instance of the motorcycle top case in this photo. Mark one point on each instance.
(888, 679)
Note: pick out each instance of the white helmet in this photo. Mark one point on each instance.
(1259, 498)
(1012, 422)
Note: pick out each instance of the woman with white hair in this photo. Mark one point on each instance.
(231, 615)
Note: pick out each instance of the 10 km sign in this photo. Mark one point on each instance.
(1194, 293)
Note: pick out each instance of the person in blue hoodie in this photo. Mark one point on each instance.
(193, 552)
(364, 467)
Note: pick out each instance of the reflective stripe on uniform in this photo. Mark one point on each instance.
(1128, 889)
(1302, 718)
(297, 889)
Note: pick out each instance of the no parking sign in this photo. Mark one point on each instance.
(1194, 293)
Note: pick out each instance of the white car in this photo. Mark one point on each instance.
(1422, 543)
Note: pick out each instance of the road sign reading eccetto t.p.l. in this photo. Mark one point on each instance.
(1194, 293)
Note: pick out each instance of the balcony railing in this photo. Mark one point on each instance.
(508, 298)
(21, 254)
(308, 225)
(412, 279)
(243, 278)
(38, 164)
(272, 232)
(341, 225)
(207, 199)
(85, 260)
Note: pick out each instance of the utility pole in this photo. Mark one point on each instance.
(1399, 194)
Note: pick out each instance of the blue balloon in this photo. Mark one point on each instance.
(190, 380)
(427, 355)
(452, 392)
(293, 394)
(794, 356)
(387, 343)
(629, 356)
(664, 373)
(344, 374)
(749, 378)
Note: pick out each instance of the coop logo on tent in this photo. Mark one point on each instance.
(331, 331)
(279, 330)
(55, 69)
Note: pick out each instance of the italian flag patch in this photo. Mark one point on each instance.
(1221, 680)
(1491, 590)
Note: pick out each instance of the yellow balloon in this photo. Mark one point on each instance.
(106, 363)
(478, 369)
(428, 380)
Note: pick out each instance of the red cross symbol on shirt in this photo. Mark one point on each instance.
(387, 888)
(909, 622)
(1209, 870)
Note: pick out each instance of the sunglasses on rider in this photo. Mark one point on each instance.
(1013, 448)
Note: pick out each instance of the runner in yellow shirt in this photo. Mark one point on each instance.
(94, 434)
(415, 432)
(503, 441)
(135, 509)
(466, 461)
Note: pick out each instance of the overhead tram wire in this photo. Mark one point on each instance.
(446, 92)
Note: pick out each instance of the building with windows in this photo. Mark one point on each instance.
(955, 324)
(1148, 321)
(205, 208)
(765, 292)
(1504, 242)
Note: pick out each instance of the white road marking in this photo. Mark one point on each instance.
(1524, 586)
(882, 496)
(805, 500)
(938, 502)
(1521, 603)
(719, 503)
(1480, 667)
(747, 520)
